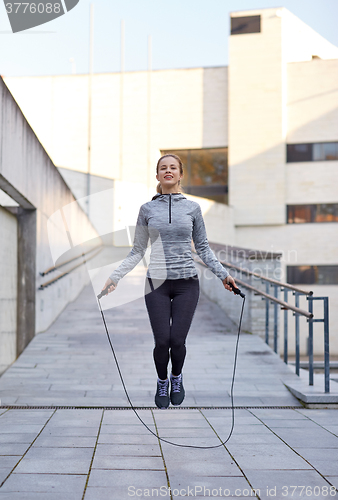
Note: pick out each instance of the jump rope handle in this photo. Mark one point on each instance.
(103, 293)
(236, 290)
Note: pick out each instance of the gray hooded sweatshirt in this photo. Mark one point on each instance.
(170, 221)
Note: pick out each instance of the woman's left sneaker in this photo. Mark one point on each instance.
(177, 390)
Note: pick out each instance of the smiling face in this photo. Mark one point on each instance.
(169, 174)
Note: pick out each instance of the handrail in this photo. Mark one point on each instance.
(285, 305)
(50, 282)
(297, 313)
(54, 268)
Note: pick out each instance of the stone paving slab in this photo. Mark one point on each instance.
(289, 483)
(46, 483)
(127, 450)
(24, 495)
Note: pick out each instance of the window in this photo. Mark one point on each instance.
(312, 275)
(205, 172)
(299, 152)
(322, 212)
(325, 151)
(248, 24)
(319, 151)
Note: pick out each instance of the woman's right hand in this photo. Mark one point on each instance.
(227, 280)
(109, 283)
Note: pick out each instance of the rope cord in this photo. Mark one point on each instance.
(231, 391)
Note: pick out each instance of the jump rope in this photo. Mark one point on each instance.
(237, 291)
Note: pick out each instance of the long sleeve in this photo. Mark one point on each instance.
(202, 247)
(137, 252)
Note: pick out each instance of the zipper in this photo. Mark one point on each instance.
(170, 208)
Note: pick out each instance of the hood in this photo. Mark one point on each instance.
(176, 196)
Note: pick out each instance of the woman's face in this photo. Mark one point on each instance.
(169, 173)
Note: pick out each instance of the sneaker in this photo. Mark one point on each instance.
(177, 390)
(162, 394)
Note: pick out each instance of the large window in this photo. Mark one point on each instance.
(205, 172)
(321, 212)
(247, 24)
(312, 275)
(318, 151)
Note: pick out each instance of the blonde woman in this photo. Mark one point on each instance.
(170, 302)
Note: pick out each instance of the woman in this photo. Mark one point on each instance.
(170, 220)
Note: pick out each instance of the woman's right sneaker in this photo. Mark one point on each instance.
(162, 399)
(177, 392)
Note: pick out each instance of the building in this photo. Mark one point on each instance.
(259, 139)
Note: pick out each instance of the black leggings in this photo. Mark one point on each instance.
(174, 300)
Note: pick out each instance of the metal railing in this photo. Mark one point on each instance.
(62, 275)
(286, 306)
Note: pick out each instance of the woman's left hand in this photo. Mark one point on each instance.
(227, 280)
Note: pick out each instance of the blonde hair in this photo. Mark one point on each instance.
(159, 187)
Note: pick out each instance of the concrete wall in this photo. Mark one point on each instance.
(29, 177)
(215, 107)
(312, 111)
(218, 218)
(100, 204)
(8, 287)
(312, 105)
(256, 119)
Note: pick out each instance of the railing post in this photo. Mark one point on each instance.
(285, 328)
(310, 345)
(267, 315)
(275, 320)
(326, 345)
(297, 333)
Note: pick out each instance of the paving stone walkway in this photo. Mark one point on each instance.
(95, 453)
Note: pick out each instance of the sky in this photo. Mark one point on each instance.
(184, 34)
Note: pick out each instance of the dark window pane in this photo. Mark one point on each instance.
(205, 172)
(290, 214)
(298, 152)
(248, 24)
(330, 151)
(319, 151)
(312, 275)
(298, 214)
(327, 212)
(304, 275)
(322, 212)
(209, 167)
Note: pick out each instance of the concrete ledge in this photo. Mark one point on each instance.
(314, 396)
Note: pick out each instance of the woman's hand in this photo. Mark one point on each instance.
(110, 283)
(227, 280)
